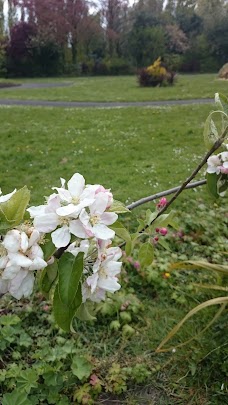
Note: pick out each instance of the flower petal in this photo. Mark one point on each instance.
(6, 197)
(77, 229)
(76, 185)
(12, 241)
(103, 232)
(46, 222)
(108, 218)
(22, 285)
(61, 237)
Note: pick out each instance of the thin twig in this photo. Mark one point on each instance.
(164, 193)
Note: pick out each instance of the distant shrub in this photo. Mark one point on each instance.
(156, 74)
(223, 73)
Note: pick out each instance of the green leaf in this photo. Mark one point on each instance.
(165, 220)
(64, 314)
(16, 398)
(70, 272)
(48, 277)
(118, 207)
(141, 226)
(27, 380)
(123, 233)
(146, 254)
(84, 313)
(81, 367)
(48, 248)
(164, 244)
(12, 211)
(212, 179)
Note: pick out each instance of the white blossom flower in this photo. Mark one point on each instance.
(218, 163)
(96, 222)
(22, 256)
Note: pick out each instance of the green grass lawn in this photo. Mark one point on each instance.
(121, 88)
(136, 152)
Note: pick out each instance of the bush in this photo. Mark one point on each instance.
(156, 74)
(223, 73)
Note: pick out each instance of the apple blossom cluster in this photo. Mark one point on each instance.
(77, 217)
(218, 163)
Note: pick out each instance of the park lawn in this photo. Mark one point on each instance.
(118, 88)
(136, 152)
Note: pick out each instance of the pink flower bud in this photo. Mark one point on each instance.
(156, 239)
(163, 231)
(157, 229)
(162, 203)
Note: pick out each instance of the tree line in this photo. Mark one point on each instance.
(50, 37)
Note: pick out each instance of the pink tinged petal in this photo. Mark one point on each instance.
(47, 222)
(76, 185)
(10, 272)
(61, 237)
(100, 204)
(7, 197)
(108, 284)
(24, 242)
(68, 210)
(53, 203)
(108, 218)
(114, 253)
(22, 285)
(103, 232)
(3, 261)
(225, 164)
(34, 237)
(18, 259)
(3, 286)
(38, 264)
(77, 229)
(36, 211)
(12, 241)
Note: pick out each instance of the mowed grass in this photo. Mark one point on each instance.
(135, 151)
(120, 88)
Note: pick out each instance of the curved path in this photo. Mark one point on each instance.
(89, 104)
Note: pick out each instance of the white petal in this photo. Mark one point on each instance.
(53, 203)
(114, 253)
(10, 272)
(77, 229)
(100, 204)
(103, 232)
(76, 185)
(113, 268)
(34, 237)
(108, 218)
(6, 197)
(61, 237)
(38, 264)
(12, 241)
(92, 282)
(68, 210)
(35, 251)
(84, 217)
(63, 194)
(3, 286)
(22, 285)
(36, 211)
(24, 242)
(3, 261)
(109, 284)
(47, 222)
(18, 259)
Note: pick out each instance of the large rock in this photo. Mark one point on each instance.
(223, 73)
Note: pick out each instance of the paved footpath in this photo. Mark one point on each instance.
(89, 104)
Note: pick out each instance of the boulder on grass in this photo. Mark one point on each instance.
(223, 73)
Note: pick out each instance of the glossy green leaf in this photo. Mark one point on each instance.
(146, 254)
(48, 248)
(48, 277)
(64, 314)
(212, 179)
(12, 211)
(70, 272)
(123, 233)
